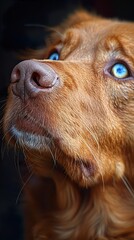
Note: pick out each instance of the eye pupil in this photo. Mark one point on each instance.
(54, 56)
(119, 70)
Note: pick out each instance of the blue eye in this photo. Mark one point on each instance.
(120, 71)
(54, 56)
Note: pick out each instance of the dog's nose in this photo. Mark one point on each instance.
(29, 78)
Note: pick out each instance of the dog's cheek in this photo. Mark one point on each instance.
(86, 137)
(128, 119)
(122, 98)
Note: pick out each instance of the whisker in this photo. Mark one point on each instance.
(17, 161)
(24, 185)
(3, 105)
(26, 162)
(53, 157)
(48, 28)
(94, 138)
(128, 185)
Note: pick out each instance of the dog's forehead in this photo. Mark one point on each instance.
(109, 34)
(103, 27)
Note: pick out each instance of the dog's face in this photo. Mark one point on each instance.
(79, 109)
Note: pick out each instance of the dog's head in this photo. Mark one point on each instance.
(78, 109)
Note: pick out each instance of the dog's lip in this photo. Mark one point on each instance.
(26, 124)
(30, 140)
(86, 168)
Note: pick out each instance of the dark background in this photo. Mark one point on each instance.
(15, 36)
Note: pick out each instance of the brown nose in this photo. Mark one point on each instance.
(30, 78)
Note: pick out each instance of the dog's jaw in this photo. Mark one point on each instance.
(30, 140)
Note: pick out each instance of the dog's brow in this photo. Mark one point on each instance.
(115, 44)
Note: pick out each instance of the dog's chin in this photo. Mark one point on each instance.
(31, 141)
(82, 172)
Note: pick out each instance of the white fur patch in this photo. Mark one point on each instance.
(30, 140)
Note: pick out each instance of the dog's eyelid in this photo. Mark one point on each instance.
(54, 55)
(128, 73)
(56, 49)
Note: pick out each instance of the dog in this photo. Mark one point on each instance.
(71, 110)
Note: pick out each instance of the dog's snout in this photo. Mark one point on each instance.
(30, 77)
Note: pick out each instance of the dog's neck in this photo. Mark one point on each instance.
(101, 206)
(83, 213)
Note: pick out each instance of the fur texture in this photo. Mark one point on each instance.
(78, 139)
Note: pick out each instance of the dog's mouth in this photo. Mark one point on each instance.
(29, 133)
(30, 140)
(87, 169)
(81, 171)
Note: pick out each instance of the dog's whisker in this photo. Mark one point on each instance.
(3, 106)
(24, 185)
(128, 185)
(53, 156)
(48, 28)
(5, 135)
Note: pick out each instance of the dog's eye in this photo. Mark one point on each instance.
(54, 56)
(119, 70)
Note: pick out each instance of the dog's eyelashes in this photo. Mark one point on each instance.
(54, 56)
(120, 71)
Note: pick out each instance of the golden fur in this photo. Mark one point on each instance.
(82, 182)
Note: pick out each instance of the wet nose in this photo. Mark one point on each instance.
(30, 78)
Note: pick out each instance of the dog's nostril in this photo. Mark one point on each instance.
(42, 79)
(35, 78)
(15, 76)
